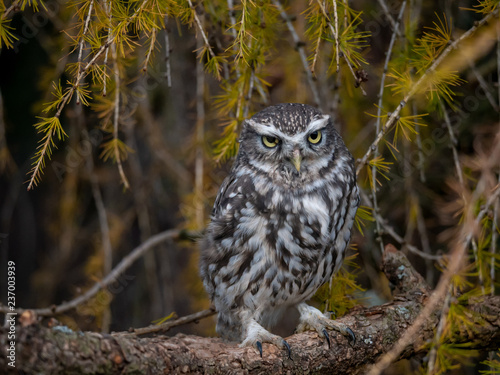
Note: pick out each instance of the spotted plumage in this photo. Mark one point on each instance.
(280, 225)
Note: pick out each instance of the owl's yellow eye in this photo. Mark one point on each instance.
(270, 141)
(314, 137)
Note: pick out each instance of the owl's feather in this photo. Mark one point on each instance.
(278, 232)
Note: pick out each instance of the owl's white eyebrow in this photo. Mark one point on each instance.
(264, 129)
(317, 124)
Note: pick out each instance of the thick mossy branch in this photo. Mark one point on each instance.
(60, 350)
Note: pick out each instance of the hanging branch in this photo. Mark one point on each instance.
(332, 29)
(51, 126)
(389, 230)
(394, 24)
(418, 85)
(45, 149)
(456, 258)
(107, 6)
(207, 45)
(82, 43)
(439, 332)
(116, 119)
(150, 50)
(168, 74)
(299, 45)
(495, 225)
(374, 181)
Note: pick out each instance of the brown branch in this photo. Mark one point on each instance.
(109, 279)
(61, 350)
(164, 327)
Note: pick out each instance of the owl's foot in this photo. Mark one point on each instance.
(256, 335)
(312, 319)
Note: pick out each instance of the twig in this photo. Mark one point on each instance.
(419, 145)
(167, 56)
(316, 54)
(82, 42)
(495, 225)
(484, 86)
(37, 168)
(453, 144)
(232, 20)
(300, 49)
(494, 239)
(392, 232)
(200, 27)
(13, 7)
(455, 260)
(343, 52)
(150, 50)
(417, 86)
(200, 138)
(107, 6)
(424, 240)
(336, 35)
(116, 118)
(394, 25)
(113, 276)
(164, 327)
(377, 123)
(439, 331)
(461, 180)
(386, 65)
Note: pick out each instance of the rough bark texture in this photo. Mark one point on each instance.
(60, 350)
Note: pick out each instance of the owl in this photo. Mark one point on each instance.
(280, 225)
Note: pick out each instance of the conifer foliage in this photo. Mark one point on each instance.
(136, 107)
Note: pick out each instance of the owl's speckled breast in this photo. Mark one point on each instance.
(288, 239)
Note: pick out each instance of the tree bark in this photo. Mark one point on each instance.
(60, 350)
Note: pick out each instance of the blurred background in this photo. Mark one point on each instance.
(178, 114)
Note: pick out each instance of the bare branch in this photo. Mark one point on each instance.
(110, 278)
(332, 30)
(164, 327)
(299, 45)
(377, 123)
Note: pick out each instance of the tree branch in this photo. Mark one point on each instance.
(61, 350)
(110, 278)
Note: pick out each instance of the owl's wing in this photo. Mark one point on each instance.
(221, 199)
(233, 195)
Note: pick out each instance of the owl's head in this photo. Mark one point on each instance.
(290, 139)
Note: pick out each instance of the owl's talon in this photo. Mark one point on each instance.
(288, 349)
(258, 344)
(327, 337)
(352, 339)
(312, 318)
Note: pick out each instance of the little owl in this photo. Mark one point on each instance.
(280, 225)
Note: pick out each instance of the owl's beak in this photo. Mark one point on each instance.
(296, 159)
